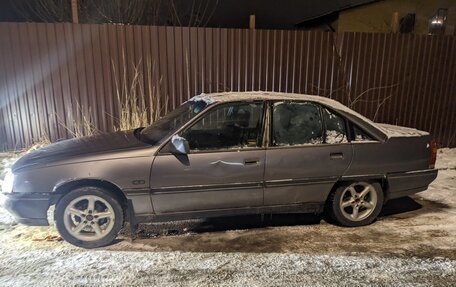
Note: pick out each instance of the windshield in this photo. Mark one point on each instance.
(165, 126)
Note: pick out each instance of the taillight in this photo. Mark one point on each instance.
(433, 156)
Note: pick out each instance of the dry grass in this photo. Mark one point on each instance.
(139, 105)
(41, 142)
(81, 124)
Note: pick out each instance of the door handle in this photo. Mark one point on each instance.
(336, 155)
(225, 162)
(251, 161)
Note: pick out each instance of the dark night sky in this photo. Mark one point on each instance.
(235, 13)
(7, 12)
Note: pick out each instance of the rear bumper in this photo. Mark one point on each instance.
(29, 208)
(408, 183)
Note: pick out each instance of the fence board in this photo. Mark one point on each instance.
(52, 75)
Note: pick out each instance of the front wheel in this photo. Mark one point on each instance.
(89, 217)
(355, 204)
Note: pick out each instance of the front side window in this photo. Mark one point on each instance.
(165, 126)
(232, 125)
(296, 124)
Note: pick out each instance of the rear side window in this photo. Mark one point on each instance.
(360, 135)
(335, 128)
(296, 124)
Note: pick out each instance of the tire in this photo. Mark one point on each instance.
(89, 217)
(355, 204)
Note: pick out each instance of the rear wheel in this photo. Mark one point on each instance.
(355, 204)
(89, 217)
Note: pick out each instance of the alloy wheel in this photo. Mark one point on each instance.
(89, 218)
(358, 201)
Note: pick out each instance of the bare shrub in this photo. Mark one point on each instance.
(39, 143)
(82, 124)
(139, 106)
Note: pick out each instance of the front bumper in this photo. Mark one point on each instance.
(29, 208)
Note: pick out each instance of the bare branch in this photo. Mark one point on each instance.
(379, 106)
(371, 89)
(212, 13)
(174, 12)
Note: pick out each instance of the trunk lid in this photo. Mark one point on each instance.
(399, 131)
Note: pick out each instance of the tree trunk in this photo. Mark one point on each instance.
(74, 11)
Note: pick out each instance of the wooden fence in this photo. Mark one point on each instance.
(53, 76)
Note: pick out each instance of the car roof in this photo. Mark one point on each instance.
(379, 131)
(260, 95)
(279, 96)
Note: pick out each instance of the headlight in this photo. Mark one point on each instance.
(7, 185)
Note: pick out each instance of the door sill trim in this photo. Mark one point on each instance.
(294, 208)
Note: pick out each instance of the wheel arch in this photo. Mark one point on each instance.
(112, 188)
(380, 179)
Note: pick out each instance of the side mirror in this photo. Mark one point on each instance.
(179, 145)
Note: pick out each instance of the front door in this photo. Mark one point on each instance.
(308, 153)
(225, 166)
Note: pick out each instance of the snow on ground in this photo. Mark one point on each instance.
(6, 161)
(446, 158)
(69, 267)
(412, 244)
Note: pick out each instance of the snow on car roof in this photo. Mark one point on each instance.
(251, 96)
(260, 95)
(388, 130)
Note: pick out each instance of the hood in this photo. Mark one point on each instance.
(399, 131)
(63, 150)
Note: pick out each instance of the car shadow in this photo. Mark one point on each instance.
(255, 221)
(400, 205)
(225, 223)
(411, 206)
(401, 208)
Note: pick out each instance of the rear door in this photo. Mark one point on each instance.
(225, 166)
(307, 153)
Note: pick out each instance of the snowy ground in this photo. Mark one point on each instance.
(412, 244)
